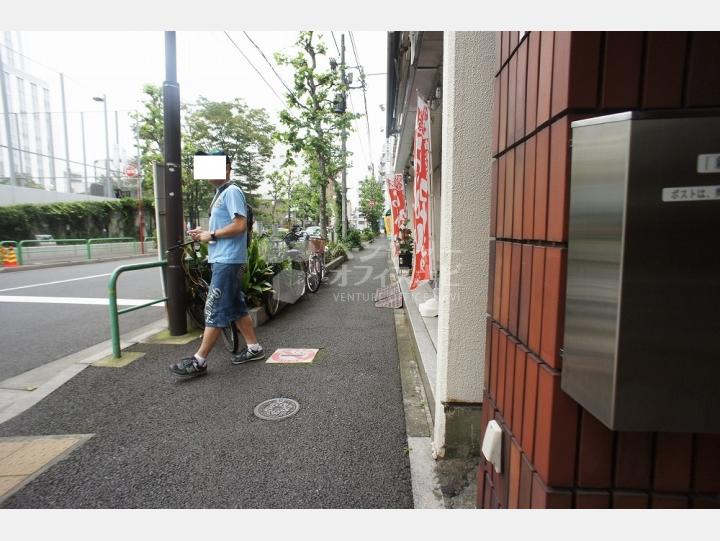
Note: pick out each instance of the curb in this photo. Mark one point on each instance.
(70, 263)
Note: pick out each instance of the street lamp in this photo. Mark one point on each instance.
(108, 185)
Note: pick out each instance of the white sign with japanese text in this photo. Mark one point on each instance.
(691, 193)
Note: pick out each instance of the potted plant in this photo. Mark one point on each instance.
(405, 246)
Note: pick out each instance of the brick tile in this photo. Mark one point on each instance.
(545, 77)
(703, 79)
(514, 474)
(629, 500)
(510, 380)
(595, 453)
(509, 193)
(532, 368)
(497, 279)
(542, 167)
(491, 277)
(512, 95)
(525, 283)
(516, 267)
(673, 458)
(575, 70)
(518, 390)
(500, 211)
(518, 189)
(496, 116)
(505, 289)
(559, 185)
(520, 90)
(514, 39)
(706, 503)
(664, 69)
(668, 501)
(502, 480)
(621, 69)
(591, 499)
(529, 190)
(501, 370)
(553, 310)
(498, 51)
(488, 352)
(706, 471)
(488, 493)
(633, 460)
(547, 498)
(494, 361)
(555, 432)
(531, 93)
(536, 298)
(493, 198)
(525, 490)
(502, 131)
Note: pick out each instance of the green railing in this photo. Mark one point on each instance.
(112, 295)
(87, 243)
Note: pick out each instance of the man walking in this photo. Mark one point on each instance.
(227, 254)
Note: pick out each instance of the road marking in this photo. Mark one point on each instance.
(57, 282)
(75, 300)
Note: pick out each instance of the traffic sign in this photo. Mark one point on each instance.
(131, 170)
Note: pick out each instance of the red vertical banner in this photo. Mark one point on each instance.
(396, 190)
(423, 169)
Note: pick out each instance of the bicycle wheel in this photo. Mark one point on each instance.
(272, 302)
(230, 337)
(196, 308)
(298, 280)
(313, 274)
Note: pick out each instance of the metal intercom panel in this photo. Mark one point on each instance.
(642, 324)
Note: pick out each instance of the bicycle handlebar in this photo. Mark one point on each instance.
(181, 245)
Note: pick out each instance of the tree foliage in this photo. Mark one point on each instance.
(372, 201)
(312, 127)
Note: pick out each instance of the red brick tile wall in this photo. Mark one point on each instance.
(555, 453)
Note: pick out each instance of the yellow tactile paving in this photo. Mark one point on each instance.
(34, 455)
(9, 482)
(165, 338)
(9, 447)
(112, 362)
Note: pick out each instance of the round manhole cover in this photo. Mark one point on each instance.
(276, 409)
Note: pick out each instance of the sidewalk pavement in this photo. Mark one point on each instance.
(145, 438)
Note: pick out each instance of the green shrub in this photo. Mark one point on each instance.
(335, 250)
(368, 235)
(353, 238)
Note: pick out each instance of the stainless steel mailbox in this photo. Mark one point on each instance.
(642, 323)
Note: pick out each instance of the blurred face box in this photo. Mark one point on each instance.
(209, 168)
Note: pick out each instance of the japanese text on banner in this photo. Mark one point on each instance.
(421, 266)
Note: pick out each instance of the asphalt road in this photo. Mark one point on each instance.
(35, 333)
(164, 442)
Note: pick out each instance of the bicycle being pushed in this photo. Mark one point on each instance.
(198, 273)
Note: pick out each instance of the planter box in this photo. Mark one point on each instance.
(258, 315)
(405, 260)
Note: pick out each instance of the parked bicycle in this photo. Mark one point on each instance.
(290, 270)
(197, 272)
(317, 271)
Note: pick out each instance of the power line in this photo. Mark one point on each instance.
(294, 97)
(336, 45)
(362, 79)
(253, 66)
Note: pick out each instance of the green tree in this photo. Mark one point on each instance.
(371, 201)
(279, 182)
(150, 121)
(245, 133)
(306, 202)
(312, 123)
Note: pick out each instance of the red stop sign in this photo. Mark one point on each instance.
(131, 171)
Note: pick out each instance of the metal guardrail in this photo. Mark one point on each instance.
(112, 297)
(60, 250)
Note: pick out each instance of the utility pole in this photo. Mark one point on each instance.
(8, 130)
(344, 140)
(174, 225)
(82, 129)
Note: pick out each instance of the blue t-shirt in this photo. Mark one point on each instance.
(230, 250)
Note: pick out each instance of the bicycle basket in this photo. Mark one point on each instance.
(317, 244)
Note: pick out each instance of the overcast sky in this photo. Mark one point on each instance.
(118, 63)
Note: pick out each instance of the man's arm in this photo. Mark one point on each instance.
(237, 227)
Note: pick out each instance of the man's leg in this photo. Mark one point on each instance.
(247, 329)
(209, 337)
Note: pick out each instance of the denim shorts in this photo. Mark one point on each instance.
(225, 300)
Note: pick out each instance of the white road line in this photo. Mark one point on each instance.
(75, 300)
(57, 282)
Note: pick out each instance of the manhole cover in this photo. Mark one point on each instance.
(276, 409)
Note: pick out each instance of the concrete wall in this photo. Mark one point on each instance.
(468, 73)
(18, 195)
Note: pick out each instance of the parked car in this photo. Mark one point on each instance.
(47, 240)
(313, 231)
